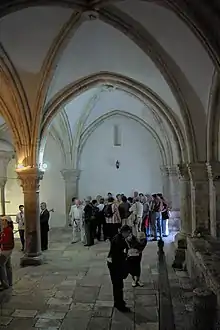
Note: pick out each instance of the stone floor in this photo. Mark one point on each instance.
(72, 290)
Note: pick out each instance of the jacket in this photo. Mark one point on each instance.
(118, 250)
(7, 239)
(44, 219)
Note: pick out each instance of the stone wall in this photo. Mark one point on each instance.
(203, 263)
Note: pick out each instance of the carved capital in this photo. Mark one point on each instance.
(183, 172)
(213, 170)
(198, 172)
(30, 178)
(164, 170)
(172, 170)
(70, 175)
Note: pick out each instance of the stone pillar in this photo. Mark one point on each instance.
(71, 178)
(199, 197)
(174, 187)
(185, 200)
(30, 182)
(214, 197)
(2, 187)
(166, 182)
(5, 157)
(174, 222)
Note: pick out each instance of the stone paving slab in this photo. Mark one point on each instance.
(72, 290)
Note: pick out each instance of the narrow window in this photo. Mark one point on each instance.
(117, 136)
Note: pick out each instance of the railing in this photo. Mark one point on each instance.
(166, 317)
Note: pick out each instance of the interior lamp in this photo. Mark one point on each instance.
(20, 166)
(117, 164)
(44, 166)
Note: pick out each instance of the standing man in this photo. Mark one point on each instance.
(44, 225)
(76, 218)
(20, 222)
(117, 266)
(137, 213)
(89, 219)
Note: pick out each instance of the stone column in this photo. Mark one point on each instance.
(2, 187)
(199, 197)
(30, 182)
(214, 197)
(5, 157)
(174, 222)
(166, 182)
(174, 187)
(71, 178)
(185, 200)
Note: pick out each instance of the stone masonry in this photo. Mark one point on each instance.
(72, 290)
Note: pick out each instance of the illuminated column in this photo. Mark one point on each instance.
(71, 178)
(30, 182)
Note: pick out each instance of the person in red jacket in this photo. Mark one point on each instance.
(7, 246)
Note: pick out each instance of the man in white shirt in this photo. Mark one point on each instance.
(20, 222)
(137, 214)
(76, 219)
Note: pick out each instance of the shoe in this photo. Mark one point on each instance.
(123, 309)
(139, 283)
(134, 283)
(154, 239)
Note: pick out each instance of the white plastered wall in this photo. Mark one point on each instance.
(52, 188)
(139, 159)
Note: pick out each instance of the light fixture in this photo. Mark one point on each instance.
(117, 164)
(19, 166)
(44, 166)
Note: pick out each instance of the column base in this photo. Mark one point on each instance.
(180, 253)
(26, 260)
(180, 240)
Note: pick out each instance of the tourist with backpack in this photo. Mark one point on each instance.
(112, 218)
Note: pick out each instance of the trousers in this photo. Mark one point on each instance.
(6, 268)
(117, 284)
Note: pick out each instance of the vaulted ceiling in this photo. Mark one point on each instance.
(137, 57)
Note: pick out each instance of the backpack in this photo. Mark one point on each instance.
(108, 211)
(95, 211)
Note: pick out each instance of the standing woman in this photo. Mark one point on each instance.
(165, 217)
(44, 225)
(7, 246)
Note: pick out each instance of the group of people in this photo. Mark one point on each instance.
(126, 223)
(44, 225)
(7, 240)
(94, 218)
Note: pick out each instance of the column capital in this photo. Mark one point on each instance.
(164, 170)
(71, 175)
(213, 169)
(183, 172)
(172, 170)
(30, 178)
(198, 171)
